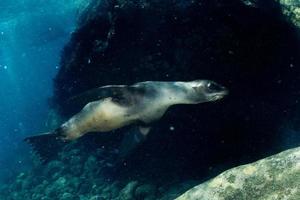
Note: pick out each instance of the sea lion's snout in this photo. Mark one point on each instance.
(207, 90)
(215, 91)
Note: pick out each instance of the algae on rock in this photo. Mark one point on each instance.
(291, 8)
(275, 177)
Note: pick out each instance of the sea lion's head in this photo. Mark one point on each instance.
(206, 90)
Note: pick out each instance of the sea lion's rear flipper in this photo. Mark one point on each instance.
(46, 146)
(132, 138)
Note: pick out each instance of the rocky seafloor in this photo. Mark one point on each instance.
(80, 176)
(251, 46)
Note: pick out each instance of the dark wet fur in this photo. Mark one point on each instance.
(122, 95)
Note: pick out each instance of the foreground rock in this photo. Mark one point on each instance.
(275, 177)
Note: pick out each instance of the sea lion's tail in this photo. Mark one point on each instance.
(46, 145)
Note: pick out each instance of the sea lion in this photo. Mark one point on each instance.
(115, 106)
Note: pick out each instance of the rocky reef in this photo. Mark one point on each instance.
(252, 47)
(81, 176)
(291, 8)
(275, 177)
(78, 175)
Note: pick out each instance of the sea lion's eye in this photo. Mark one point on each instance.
(214, 87)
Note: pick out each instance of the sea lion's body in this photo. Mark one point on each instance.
(98, 116)
(142, 103)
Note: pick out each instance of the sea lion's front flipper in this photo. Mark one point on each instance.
(132, 138)
(96, 94)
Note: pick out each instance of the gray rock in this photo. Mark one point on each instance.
(74, 182)
(127, 193)
(145, 191)
(275, 177)
(115, 189)
(56, 188)
(53, 168)
(67, 196)
(291, 8)
(97, 197)
(174, 190)
(85, 188)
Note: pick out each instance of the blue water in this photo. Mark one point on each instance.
(32, 35)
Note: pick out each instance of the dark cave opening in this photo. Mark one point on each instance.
(254, 51)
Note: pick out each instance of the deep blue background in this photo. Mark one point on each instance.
(32, 34)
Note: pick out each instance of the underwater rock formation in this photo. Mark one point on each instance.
(291, 8)
(79, 175)
(252, 50)
(275, 177)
